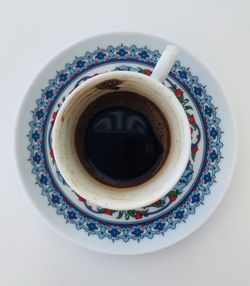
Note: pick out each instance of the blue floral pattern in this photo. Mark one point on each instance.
(153, 223)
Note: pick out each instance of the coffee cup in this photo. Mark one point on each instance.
(160, 183)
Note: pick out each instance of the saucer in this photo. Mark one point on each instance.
(186, 206)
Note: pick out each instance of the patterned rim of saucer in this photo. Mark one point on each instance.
(124, 228)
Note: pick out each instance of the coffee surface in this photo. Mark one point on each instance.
(122, 139)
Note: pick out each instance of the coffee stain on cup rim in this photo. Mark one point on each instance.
(113, 84)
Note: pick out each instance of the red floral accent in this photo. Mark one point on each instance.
(178, 92)
(191, 119)
(51, 153)
(138, 215)
(108, 212)
(81, 199)
(54, 115)
(195, 149)
(172, 198)
(147, 72)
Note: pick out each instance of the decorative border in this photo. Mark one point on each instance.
(171, 197)
(129, 230)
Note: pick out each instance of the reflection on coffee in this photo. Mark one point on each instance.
(122, 139)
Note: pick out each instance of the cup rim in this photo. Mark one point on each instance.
(183, 160)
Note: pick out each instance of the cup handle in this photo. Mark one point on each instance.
(165, 63)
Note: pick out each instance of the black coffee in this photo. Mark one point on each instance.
(122, 139)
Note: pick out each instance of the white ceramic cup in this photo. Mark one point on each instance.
(149, 86)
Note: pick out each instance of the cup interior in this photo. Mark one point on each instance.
(63, 141)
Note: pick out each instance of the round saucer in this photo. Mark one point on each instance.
(186, 206)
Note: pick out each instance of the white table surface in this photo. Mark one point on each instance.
(218, 33)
